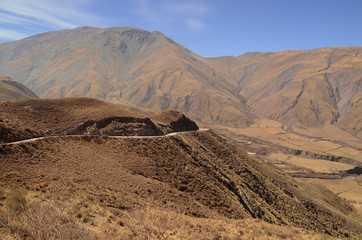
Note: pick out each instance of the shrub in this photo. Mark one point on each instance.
(150, 223)
(15, 201)
(45, 221)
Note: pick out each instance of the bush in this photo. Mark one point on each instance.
(151, 223)
(45, 221)
(15, 201)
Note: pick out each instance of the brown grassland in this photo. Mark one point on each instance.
(197, 174)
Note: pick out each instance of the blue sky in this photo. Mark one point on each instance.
(207, 27)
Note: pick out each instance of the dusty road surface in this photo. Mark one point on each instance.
(117, 137)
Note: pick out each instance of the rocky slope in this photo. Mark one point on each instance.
(12, 90)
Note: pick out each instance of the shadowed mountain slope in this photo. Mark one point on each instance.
(11, 90)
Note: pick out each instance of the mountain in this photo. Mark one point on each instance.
(197, 173)
(12, 90)
(124, 65)
(313, 92)
(315, 88)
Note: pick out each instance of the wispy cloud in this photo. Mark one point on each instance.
(194, 8)
(190, 13)
(10, 34)
(18, 15)
(194, 24)
(9, 18)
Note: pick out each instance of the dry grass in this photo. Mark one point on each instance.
(347, 152)
(39, 218)
(351, 190)
(199, 173)
(36, 220)
(150, 222)
(316, 165)
(11, 90)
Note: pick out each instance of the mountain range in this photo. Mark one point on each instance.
(314, 88)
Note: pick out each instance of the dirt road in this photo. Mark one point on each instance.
(117, 137)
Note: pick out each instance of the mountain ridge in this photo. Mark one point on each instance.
(11, 90)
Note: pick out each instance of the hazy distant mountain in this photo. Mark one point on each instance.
(317, 88)
(12, 90)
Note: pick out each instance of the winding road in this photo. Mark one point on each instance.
(115, 137)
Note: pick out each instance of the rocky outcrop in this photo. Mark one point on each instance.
(174, 121)
(118, 126)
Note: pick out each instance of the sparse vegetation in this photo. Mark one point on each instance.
(42, 219)
(201, 174)
(36, 220)
(197, 180)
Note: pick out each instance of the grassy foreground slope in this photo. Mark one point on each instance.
(26, 214)
(198, 173)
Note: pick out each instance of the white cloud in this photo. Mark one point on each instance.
(34, 11)
(189, 8)
(8, 18)
(10, 34)
(23, 15)
(195, 24)
(169, 12)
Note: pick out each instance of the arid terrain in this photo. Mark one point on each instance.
(197, 174)
(304, 100)
(135, 136)
(12, 90)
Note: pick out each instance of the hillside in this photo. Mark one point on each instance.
(199, 174)
(318, 88)
(11, 90)
(80, 116)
